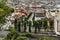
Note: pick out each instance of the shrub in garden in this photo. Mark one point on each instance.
(46, 38)
(30, 35)
(29, 24)
(21, 38)
(14, 35)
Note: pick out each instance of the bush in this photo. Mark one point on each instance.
(21, 38)
(10, 29)
(14, 35)
(46, 38)
(30, 35)
(50, 30)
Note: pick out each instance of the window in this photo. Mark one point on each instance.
(39, 15)
(53, 10)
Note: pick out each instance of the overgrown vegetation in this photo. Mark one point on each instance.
(46, 38)
(5, 10)
(14, 35)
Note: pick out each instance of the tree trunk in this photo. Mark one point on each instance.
(16, 24)
(38, 28)
(35, 29)
(24, 26)
(29, 24)
(29, 28)
(19, 27)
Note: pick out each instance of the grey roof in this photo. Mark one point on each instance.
(33, 0)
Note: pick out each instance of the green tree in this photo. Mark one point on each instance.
(2, 15)
(19, 25)
(35, 25)
(29, 24)
(45, 24)
(25, 23)
(4, 10)
(39, 25)
(24, 26)
(51, 24)
(16, 24)
(4, 1)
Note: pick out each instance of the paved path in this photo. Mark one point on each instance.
(0, 38)
(4, 33)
